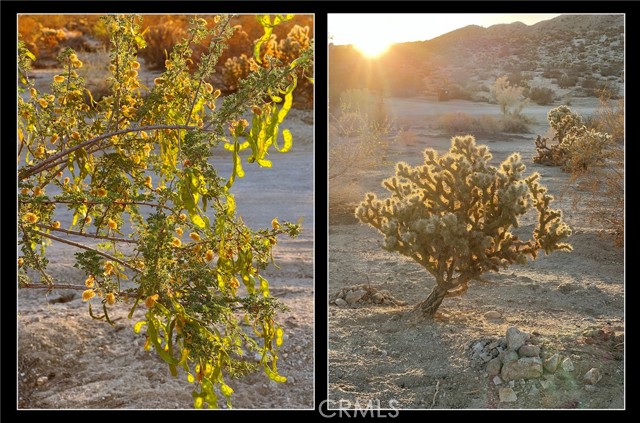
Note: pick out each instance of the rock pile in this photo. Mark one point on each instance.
(363, 294)
(517, 358)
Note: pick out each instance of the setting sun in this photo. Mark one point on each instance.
(371, 48)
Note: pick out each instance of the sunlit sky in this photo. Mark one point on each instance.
(374, 31)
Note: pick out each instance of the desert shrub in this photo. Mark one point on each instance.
(577, 148)
(453, 215)
(357, 142)
(541, 95)
(160, 38)
(514, 124)
(567, 81)
(510, 98)
(136, 173)
(456, 123)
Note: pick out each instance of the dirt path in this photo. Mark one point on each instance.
(382, 352)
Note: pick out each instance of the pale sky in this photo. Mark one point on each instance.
(389, 28)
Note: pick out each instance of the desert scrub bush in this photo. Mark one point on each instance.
(357, 142)
(453, 215)
(511, 101)
(541, 95)
(285, 51)
(457, 123)
(577, 148)
(135, 172)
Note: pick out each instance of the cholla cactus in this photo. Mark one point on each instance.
(454, 213)
(577, 148)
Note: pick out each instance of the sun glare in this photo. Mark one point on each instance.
(371, 48)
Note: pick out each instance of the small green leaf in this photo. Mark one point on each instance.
(197, 220)
(138, 326)
(226, 390)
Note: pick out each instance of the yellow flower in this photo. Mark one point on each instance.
(43, 102)
(20, 262)
(88, 294)
(194, 236)
(208, 87)
(76, 63)
(39, 152)
(75, 135)
(275, 224)
(87, 220)
(158, 81)
(111, 299)
(58, 78)
(30, 218)
(73, 57)
(37, 191)
(234, 283)
(112, 68)
(168, 64)
(101, 192)
(216, 19)
(216, 94)
(132, 73)
(176, 242)
(183, 217)
(151, 300)
(89, 282)
(135, 65)
(144, 135)
(66, 180)
(54, 138)
(33, 92)
(108, 268)
(209, 255)
(25, 191)
(112, 224)
(55, 224)
(253, 66)
(256, 110)
(147, 149)
(179, 231)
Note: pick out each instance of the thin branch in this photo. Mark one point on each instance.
(54, 286)
(47, 163)
(66, 231)
(122, 203)
(85, 247)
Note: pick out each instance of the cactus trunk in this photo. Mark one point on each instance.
(429, 306)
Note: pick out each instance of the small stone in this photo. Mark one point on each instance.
(494, 366)
(477, 347)
(533, 391)
(340, 302)
(546, 384)
(512, 383)
(494, 345)
(354, 296)
(492, 315)
(551, 363)
(507, 395)
(42, 380)
(497, 380)
(589, 388)
(516, 338)
(524, 368)
(529, 351)
(485, 357)
(593, 376)
(567, 365)
(378, 298)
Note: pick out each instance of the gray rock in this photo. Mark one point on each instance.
(533, 391)
(551, 363)
(497, 380)
(589, 388)
(593, 376)
(529, 351)
(546, 384)
(567, 365)
(524, 368)
(478, 347)
(340, 302)
(492, 315)
(516, 338)
(485, 357)
(507, 395)
(354, 296)
(494, 366)
(503, 343)
(507, 356)
(493, 345)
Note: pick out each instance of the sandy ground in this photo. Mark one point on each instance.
(67, 360)
(381, 353)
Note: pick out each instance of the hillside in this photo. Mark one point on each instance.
(573, 55)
